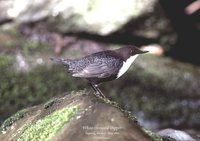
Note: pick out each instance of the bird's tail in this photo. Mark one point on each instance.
(65, 62)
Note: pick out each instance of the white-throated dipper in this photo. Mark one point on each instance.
(102, 66)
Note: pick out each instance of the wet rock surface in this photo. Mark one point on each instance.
(174, 135)
(76, 116)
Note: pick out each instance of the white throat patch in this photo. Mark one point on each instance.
(126, 65)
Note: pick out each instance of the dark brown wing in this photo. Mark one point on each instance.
(99, 69)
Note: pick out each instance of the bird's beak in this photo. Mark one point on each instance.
(141, 51)
(144, 52)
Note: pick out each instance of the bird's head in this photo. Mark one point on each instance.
(128, 51)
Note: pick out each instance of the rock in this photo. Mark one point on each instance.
(174, 135)
(76, 116)
(97, 16)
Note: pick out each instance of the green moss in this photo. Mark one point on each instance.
(16, 42)
(9, 122)
(47, 127)
(11, 40)
(31, 47)
(49, 103)
(5, 62)
(30, 88)
(152, 135)
(115, 104)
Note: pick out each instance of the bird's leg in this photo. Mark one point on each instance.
(101, 93)
(96, 89)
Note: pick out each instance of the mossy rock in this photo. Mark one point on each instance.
(11, 120)
(76, 116)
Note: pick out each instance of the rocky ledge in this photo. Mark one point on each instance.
(75, 116)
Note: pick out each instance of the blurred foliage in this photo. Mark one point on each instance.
(11, 41)
(33, 47)
(5, 62)
(19, 89)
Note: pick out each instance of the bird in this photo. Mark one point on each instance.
(102, 66)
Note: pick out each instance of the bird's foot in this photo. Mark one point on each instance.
(102, 97)
(98, 93)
